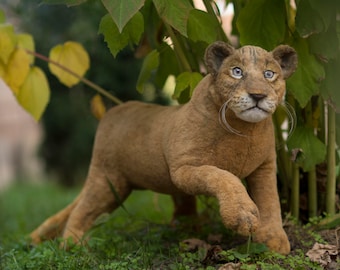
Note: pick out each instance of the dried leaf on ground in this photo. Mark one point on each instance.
(193, 244)
(230, 266)
(323, 254)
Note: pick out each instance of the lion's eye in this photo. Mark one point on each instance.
(237, 72)
(268, 74)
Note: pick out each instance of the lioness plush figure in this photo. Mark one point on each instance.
(223, 134)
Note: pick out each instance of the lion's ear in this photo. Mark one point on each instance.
(286, 56)
(215, 54)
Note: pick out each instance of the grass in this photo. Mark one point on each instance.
(137, 236)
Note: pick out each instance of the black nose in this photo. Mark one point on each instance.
(257, 97)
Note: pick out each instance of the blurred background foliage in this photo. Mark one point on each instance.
(68, 123)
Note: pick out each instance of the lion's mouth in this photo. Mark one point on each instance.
(256, 108)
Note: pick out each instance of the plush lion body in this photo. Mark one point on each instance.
(224, 134)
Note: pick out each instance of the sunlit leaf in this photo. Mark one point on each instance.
(262, 23)
(186, 80)
(26, 41)
(17, 69)
(74, 57)
(313, 150)
(131, 33)
(202, 26)
(7, 42)
(122, 11)
(305, 82)
(98, 107)
(174, 13)
(150, 63)
(34, 94)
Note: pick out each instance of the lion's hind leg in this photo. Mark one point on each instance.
(101, 194)
(53, 226)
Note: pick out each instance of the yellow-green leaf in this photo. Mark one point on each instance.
(34, 94)
(98, 107)
(7, 42)
(26, 41)
(72, 56)
(17, 69)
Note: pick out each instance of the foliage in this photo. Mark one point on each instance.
(168, 30)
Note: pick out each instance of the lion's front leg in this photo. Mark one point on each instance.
(237, 210)
(263, 190)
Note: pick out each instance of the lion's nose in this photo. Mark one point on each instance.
(257, 97)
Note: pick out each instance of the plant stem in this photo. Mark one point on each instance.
(331, 163)
(295, 199)
(82, 79)
(210, 10)
(185, 66)
(312, 194)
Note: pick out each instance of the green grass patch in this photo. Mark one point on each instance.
(137, 236)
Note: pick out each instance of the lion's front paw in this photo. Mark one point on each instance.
(275, 238)
(242, 217)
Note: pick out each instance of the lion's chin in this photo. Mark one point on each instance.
(253, 115)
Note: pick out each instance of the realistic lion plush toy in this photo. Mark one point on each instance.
(223, 134)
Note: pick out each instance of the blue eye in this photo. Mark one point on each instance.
(268, 74)
(237, 72)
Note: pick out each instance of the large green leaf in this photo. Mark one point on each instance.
(330, 86)
(202, 26)
(150, 63)
(174, 13)
(262, 23)
(131, 33)
(314, 16)
(122, 11)
(313, 150)
(305, 82)
(325, 44)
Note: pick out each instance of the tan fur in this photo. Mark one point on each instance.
(186, 150)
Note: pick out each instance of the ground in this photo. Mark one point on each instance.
(140, 236)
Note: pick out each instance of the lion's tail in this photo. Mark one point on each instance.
(53, 226)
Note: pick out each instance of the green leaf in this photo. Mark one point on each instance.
(34, 94)
(305, 82)
(314, 16)
(131, 33)
(69, 3)
(150, 63)
(186, 80)
(325, 44)
(167, 65)
(262, 23)
(313, 150)
(122, 11)
(174, 13)
(330, 86)
(202, 26)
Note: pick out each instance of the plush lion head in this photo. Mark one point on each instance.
(250, 81)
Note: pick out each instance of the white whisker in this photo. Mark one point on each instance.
(223, 120)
